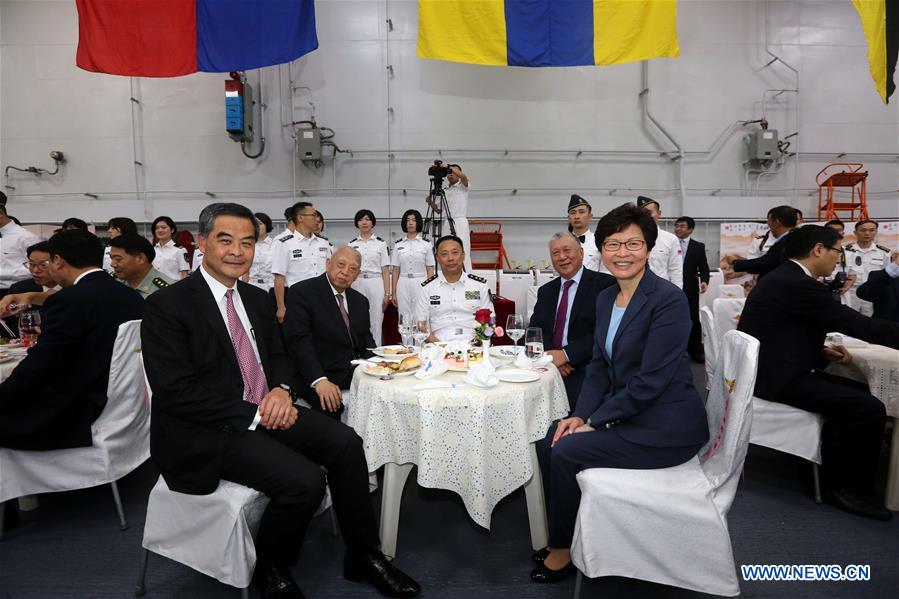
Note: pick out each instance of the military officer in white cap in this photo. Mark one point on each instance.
(450, 298)
(374, 273)
(298, 256)
(413, 262)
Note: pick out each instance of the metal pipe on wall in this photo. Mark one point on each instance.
(644, 101)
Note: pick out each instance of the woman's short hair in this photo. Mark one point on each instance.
(620, 218)
(265, 219)
(362, 214)
(418, 220)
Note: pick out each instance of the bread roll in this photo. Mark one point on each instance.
(410, 363)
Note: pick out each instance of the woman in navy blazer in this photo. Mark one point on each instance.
(638, 407)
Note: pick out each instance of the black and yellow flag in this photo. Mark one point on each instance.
(880, 20)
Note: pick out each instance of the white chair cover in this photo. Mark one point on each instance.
(787, 429)
(727, 314)
(710, 343)
(670, 525)
(212, 534)
(731, 291)
(121, 435)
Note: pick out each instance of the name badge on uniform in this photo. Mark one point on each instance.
(473, 295)
(296, 254)
(435, 300)
(323, 249)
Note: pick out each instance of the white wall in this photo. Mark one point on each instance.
(46, 103)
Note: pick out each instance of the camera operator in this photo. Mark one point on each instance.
(457, 203)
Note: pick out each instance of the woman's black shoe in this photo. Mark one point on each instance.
(543, 574)
(538, 556)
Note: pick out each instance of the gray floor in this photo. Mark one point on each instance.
(71, 546)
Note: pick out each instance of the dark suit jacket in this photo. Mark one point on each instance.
(790, 314)
(696, 268)
(645, 389)
(54, 395)
(765, 263)
(316, 336)
(26, 286)
(883, 291)
(196, 381)
(581, 325)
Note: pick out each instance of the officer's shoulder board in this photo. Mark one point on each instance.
(477, 278)
(287, 237)
(354, 239)
(884, 249)
(850, 247)
(160, 282)
(426, 281)
(379, 238)
(113, 275)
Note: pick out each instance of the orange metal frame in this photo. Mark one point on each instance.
(488, 241)
(851, 176)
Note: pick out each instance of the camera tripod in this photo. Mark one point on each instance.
(433, 223)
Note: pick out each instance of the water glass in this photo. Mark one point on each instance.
(406, 327)
(515, 328)
(29, 327)
(422, 331)
(533, 343)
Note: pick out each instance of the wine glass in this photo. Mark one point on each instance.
(533, 343)
(29, 327)
(422, 331)
(406, 327)
(515, 328)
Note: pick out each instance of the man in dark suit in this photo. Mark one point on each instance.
(790, 313)
(223, 409)
(326, 327)
(566, 311)
(882, 289)
(54, 395)
(696, 280)
(782, 220)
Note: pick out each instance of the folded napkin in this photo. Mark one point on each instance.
(432, 362)
(522, 361)
(482, 374)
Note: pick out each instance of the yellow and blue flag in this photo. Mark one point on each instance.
(547, 33)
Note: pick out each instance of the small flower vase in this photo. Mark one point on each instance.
(485, 346)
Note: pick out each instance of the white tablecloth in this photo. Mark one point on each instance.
(7, 367)
(473, 441)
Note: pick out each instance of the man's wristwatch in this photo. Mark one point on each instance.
(293, 396)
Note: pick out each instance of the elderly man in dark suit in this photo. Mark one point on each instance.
(696, 280)
(54, 395)
(790, 312)
(326, 327)
(223, 409)
(566, 311)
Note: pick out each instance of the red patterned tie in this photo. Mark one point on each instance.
(561, 314)
(253, 377)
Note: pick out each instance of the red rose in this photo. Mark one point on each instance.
(482, 315)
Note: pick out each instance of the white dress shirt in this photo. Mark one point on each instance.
(218, 293)
(14, 240)
(665, 258)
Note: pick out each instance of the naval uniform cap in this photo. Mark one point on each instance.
(645, 201)
(576, 201)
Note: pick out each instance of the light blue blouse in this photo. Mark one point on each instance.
(617, 315)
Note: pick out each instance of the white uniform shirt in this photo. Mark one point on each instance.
(298, 258)
(374, 254)
(457, 200)
(198, 259)
(14, 240)
(261, 270)
(107, 260)
(592, 255)
(170, 260)
(760, 245)
(451, 306)
(413, 256)
(665, 259)
(862, 261)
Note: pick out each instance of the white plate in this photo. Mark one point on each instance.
(503, 352)
(517, 375)
(378, 373)
(11, 345)
(379, 351)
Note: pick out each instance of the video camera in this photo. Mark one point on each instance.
(438, 170)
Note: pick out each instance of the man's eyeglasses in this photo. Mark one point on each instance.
(42, 265)
(838, 250)
(612, 245)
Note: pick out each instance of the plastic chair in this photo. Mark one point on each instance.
(669, 525)
(120, 437)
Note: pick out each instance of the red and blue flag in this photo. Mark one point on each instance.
(169, 38)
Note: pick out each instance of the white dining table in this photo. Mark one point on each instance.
(477, 442)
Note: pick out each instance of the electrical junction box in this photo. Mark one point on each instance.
(763, 145)
(239, 110)
(309, 144)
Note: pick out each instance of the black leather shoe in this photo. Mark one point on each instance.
(275, 582)
(538, 556)
(856, 503)
(381, 574)
(543, 574)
